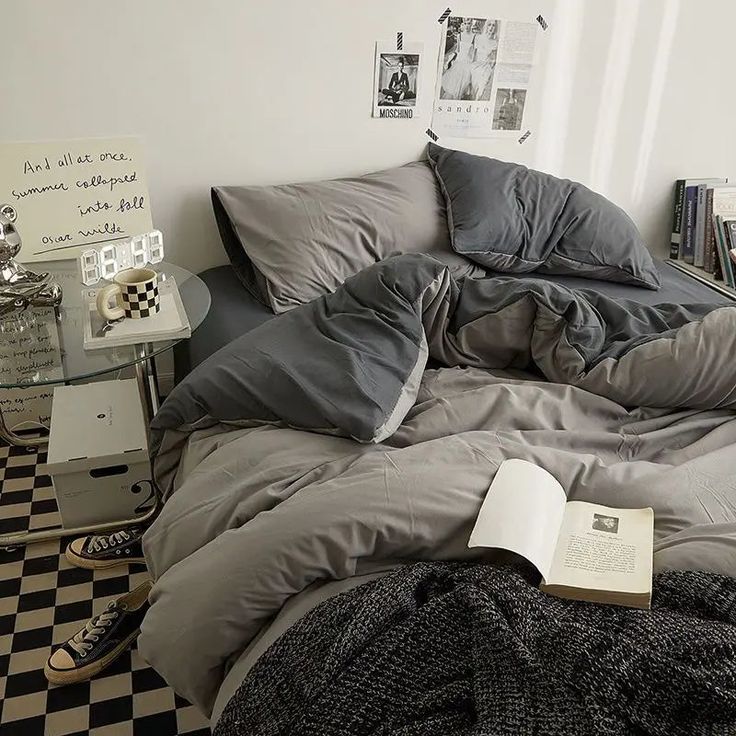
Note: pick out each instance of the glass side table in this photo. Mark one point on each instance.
(51, 343)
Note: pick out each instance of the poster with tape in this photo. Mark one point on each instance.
(74, 193)
(396, 79)
(484, 70)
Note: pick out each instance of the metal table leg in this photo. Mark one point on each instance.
(12, 438)
(9, 541)
(145, 373)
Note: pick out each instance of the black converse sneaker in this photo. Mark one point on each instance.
(119, 548)
(101, 641)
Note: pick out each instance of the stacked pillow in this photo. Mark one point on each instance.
(293, 243)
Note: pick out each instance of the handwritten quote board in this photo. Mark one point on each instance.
(73, 193)
(26, 355)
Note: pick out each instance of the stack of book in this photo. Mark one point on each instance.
(704, 227)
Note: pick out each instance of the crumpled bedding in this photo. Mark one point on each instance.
(625, 405)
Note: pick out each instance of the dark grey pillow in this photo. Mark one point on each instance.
(512, 219)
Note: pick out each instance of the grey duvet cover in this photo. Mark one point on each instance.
(268, 490)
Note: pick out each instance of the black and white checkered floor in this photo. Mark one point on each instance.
(44, 601)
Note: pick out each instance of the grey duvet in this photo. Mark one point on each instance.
(322, 445)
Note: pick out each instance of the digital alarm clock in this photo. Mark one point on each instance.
(105, 262)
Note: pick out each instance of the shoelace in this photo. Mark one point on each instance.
(85, 639)
(98, 543)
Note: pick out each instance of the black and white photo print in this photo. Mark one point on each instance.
(469, 61)
(396, 81)
(602, 523)
(508, 111)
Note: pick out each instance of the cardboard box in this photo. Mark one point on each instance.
(98, 453)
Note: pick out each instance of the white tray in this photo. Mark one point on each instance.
(170, 323)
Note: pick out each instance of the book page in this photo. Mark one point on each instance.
(522, 512)
(603, 548)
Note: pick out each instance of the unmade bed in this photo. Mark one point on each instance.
(234, 311)
(322, 471)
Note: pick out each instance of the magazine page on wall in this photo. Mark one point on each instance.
(396, 80)
(483, 79)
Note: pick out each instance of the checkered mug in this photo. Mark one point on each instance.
(136, 295)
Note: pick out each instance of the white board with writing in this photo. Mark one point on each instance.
(25, 355)
(73, 193)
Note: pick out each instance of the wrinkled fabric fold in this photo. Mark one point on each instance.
(637, 410)
(448, 650)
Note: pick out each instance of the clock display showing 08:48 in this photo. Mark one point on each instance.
(110, 259)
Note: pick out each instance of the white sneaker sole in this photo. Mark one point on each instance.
(77, 561)
(80, 674)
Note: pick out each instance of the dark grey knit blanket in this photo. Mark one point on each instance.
(438, 649)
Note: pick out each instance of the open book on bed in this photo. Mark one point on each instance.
(582, 550)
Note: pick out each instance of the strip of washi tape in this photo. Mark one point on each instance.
(399, 41)
(525, 136)
(542, 22)
(444, 16)
(432, 135)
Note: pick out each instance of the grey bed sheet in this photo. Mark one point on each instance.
(234, 311)
(676, 288)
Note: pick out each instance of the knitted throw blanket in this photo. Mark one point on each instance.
(439, 649)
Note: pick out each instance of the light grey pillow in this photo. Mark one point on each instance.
(292, 243)
(512, 219)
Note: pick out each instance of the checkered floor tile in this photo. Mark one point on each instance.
(43, 601)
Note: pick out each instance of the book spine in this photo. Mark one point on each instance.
(730, 231)
(677, 219)
(687, 245)
(717, 236)
(699, 249)
(717, 270)
(725, 261)
(728, 228)
(710, 246)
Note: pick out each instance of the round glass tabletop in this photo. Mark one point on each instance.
(44, 346)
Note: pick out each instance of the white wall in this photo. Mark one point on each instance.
(631, 94)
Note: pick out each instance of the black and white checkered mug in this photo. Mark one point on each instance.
(136, 295)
